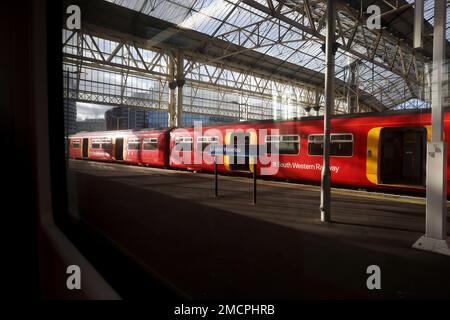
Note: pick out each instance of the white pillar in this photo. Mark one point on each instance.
(418, 23)
(435, 238)
(325, 192)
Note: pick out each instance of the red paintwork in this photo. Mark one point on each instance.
(352, 170)
(155, 158)
(75, 153)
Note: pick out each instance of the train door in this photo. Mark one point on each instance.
(239, 162)
(118, 149)
(403, 156)
(85, 147)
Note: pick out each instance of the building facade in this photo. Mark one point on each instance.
(70, 117)
(91, 125)
(121, 118)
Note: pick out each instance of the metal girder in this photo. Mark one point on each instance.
(267, 34)
(376, 46)
(126, 57)
(142, 31)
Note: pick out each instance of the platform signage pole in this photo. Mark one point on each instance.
(435, 238)
(216, 184)
(254, 182)
(325, 192)
(67, 117)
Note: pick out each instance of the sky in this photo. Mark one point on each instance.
(91, 111)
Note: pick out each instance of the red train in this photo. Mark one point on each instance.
(374, 151)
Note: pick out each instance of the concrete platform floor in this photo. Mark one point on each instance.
(226, 247)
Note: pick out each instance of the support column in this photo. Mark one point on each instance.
(435, 238)
(180, 83)
(418, 23)
(418, 37)
(325, 192)
(172, 99)
(66, 127)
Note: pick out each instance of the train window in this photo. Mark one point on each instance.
(134, 144)
(283, 144)
(183, 143)
(75, 144)
(95, 143)
(341, 145)
(107, 144)
(150, 144)
(204, 142)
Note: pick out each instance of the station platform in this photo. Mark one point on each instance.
(205, 247)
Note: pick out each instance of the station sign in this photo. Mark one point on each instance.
(239, 150)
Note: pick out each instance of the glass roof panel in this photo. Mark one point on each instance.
(238, 23)
(428, 13)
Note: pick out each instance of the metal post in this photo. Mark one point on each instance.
(216, 185)
(180, 84)
(172, 86)
(67, 116)
(254, 182)
(435, 238)
(418, 23)
(351, 93)
(325, 192)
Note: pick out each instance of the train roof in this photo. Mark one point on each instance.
(339, 116)
(95, 133)
(305, 118)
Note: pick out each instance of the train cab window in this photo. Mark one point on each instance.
(204, 142)
(95, 143)
(150, 144)
(283, 144)
(107, 144)
(134, 144)
(76, 144)
(341, 145)
(183, 143)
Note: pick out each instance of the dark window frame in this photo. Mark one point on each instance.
(180, 145)
(107, 145)
(104, 255)
(280, 142)
(332, 144)
(136, 144)
(209, 140)
(76, 144)
(151, 142)
(96, 143)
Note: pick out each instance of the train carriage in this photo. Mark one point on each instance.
(141, 147)
(375, 151)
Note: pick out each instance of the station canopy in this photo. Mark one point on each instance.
(292, 32)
